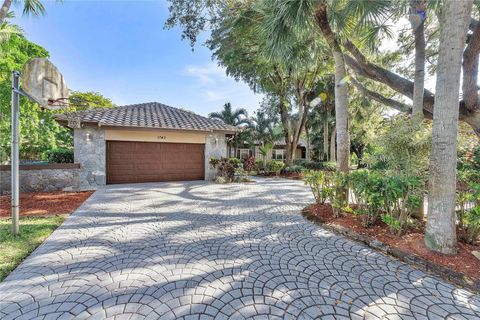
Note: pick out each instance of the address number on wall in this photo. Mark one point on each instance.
(162, 137)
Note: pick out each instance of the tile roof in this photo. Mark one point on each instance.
(151, 115)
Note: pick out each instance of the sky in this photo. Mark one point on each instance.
(121, 49)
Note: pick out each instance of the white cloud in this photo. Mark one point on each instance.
(207, 74)
(212, 88)
(214, 95)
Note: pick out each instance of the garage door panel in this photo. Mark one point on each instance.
(129, 162)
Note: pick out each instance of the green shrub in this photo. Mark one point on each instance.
(259, 166)
(275, 166)
(469, 218)
(225, 169)
(378, 194)
(321, 185)
(329, 166)
(237, 163)
(59, 155)
(470, 231)
(294, 169)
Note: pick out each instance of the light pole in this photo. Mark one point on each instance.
(14, 158)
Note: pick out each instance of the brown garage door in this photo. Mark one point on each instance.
(129, 162)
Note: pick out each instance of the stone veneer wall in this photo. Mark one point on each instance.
(89, 152)
(215, 146)
(42, 178)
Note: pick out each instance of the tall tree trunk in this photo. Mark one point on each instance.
(333, 153)
(307, 147)
(341, 89)
(325, 138)
(4, 10)
(418, 24)
(286, 130)
(440, 234)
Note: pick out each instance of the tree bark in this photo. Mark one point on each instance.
(440, 233)
(325, 137)
(4, 10)
(333, 153)
(419, 79)
(341, 89)
(470, 69)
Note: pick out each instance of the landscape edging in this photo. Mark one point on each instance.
(457, 278)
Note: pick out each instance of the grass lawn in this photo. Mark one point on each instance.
(33, 231)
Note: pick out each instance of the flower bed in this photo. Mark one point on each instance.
(462, 269)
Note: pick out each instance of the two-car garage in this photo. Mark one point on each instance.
(148, 142)
(133, 161)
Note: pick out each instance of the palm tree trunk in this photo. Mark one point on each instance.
(419, 79)
(341, 89)
(440, 234)
(325, 137)
(333, 153)
(4, 10)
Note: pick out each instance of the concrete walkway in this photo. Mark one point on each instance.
(197, 250)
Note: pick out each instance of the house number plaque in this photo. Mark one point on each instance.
(162, 137)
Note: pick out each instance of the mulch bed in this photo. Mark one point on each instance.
(462, 269)
(45, 203)
(292, 175)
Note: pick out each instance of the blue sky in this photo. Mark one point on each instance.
(120, 49)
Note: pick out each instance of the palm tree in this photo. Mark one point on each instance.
(264, 132)
(34, 7)
(8, 30)
(440, 233)
(236, 118)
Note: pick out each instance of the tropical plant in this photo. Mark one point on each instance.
(470, 231)
(236, 118)
(265, 151)
(249, 164)
(34, 7)
(320, 184)
(225, 168)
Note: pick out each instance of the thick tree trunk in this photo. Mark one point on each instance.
(440, 234)
(341, 89)
(333, 153)
(419, 79)
(286, 131)
(325, 138)
(4, 10)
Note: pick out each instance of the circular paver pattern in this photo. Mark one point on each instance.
(196, 250)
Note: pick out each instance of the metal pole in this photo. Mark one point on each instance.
(14, 153)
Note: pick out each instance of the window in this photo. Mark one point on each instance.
(278, 154)
(243, 153)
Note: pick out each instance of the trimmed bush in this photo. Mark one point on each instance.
(59, 155)
(275, 166)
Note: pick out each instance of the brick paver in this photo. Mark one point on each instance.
(197, 250)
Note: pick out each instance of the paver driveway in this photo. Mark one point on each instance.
(200, 250)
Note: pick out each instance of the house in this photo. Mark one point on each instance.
(277, 152)
(146, 142)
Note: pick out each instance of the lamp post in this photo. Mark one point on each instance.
(14, 158)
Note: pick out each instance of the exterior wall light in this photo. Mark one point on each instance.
(88, 136)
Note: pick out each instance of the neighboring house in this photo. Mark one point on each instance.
(146, 142)
(277, 152)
